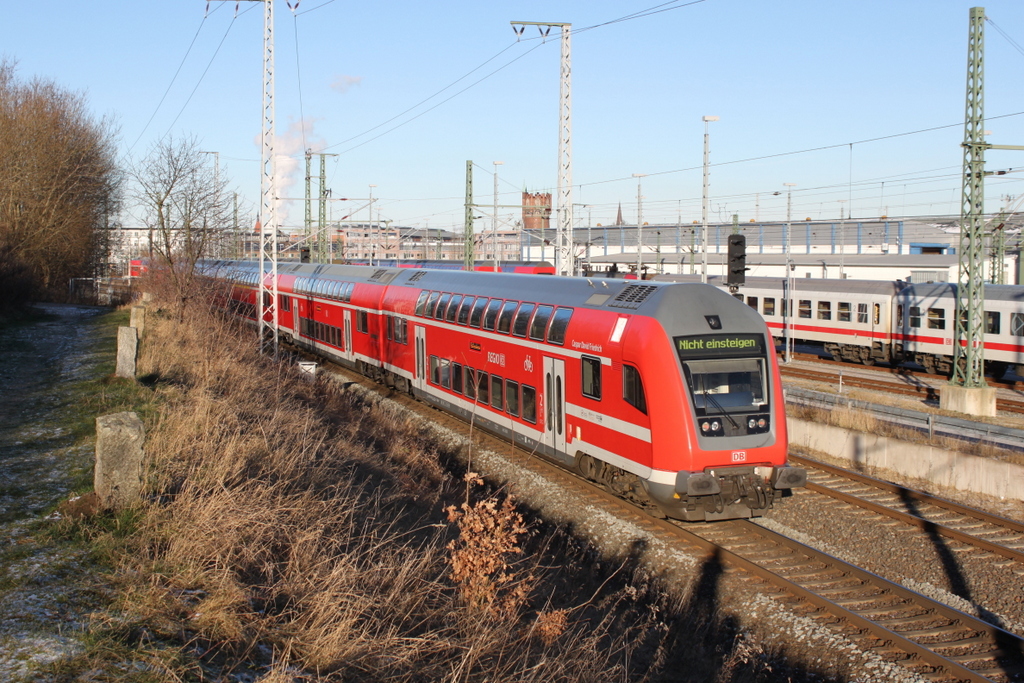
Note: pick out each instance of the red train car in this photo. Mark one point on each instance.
(667, 394)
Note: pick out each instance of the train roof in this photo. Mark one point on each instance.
(675, 304)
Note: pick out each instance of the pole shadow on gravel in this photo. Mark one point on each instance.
(1010, 656)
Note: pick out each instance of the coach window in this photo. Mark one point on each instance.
(442, 306)
(752, 302)
(936, 318)
(286, 303)
(559, 323)
(467, 305)
(435, 370)
(512, 398)
(491, 316)
(529, 404)
(477, 316)
(446, 373)
(540, 322)
(768, 306)
(843, 312)
(401, 331)
(862, 314)
(505, 319)
(1017, 324)
(470, 382)
(522, 324)
(878, 314)
(633, 388)
(431, 303)
(824, 310)
(347, 294)
(805, 308)
(482, 384)
(915, 316)
(457, 378)
(453, 308)
(361, 322)
(266, 299)
(421, 302)
(991, 322)
(389, 326)
(591, 372)
(497, 396)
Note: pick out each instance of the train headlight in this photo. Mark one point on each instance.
(751, 423)
(715, 426)
(762, 423)
(704, 426)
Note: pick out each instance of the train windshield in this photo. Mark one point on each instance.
(726, 386)
(725, 373)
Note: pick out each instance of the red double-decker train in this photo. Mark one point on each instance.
(667, 394)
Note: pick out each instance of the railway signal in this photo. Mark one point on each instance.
(737, 265)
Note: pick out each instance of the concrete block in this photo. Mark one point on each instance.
(947, 468)
(127, 351)
(138, 319)
(120, 438)
(968, 400)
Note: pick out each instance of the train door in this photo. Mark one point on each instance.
(554, 403)
(420, 380)
(347, 350)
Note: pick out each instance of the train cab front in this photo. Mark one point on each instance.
(735, 462)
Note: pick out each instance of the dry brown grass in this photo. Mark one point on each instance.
(301, 533)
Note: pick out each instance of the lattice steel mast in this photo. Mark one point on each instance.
(969, 341)
(268, 295)
(565, 261)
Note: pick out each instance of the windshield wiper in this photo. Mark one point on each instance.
(710, 397)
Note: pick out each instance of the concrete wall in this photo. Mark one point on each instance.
(948, 468)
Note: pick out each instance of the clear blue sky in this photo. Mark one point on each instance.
(783, 76)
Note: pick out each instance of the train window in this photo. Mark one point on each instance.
(389, 325)
(446, 373)
(421, 302)
(824, 310)
(505, 319)
(435, 370)
(752, 302)
(362, 322)
(843, 309)
(286, 303)
(457, 378)
(497, 395)
(529, 404)
(431, 303)
(349, 288)
(915, 316)
(768, 306)
(467, 305)
(481, 387)
(804, 310)
(633, 388)
(878, 314)
(1017, 324)
(453, 308)
(470, 383)
(491, 316)
(784, 303)
(266, 299)
(522, 324)
(476, 317)
(591, 373)
(401, 331)
(540, 322)
(862, 314)
(991, 322)
(559, 323)
(512, 397)
(936, 318)
(442, 306)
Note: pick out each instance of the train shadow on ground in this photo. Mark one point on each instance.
(1010, 656)
(930, 394)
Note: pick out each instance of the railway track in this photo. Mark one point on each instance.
(991, 533)
(900, 626)
(919, 389)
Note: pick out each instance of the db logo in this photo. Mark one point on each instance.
(528, 364)
(739, 456)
